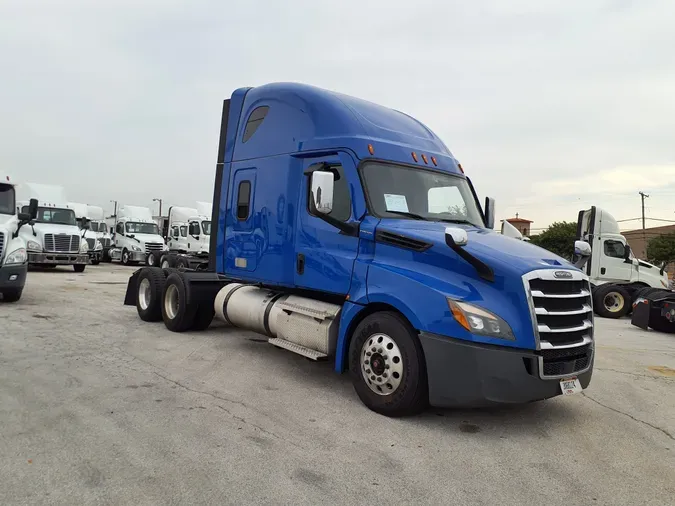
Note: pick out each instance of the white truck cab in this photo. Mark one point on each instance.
(615, 273)
(99, 227)
(13, 253)
(55, 238)
(136, 237)
(189, 229)
(85, 224)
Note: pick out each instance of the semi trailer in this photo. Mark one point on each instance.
(329, 240)
(13, 253)
(54, 238)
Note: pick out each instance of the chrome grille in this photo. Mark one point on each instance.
(562, 312)
(105, 242)
(153, 247)
(2, 245)
(62, 243)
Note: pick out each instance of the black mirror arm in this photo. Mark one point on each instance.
(351, 229)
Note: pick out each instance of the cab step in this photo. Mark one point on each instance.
(297, 348)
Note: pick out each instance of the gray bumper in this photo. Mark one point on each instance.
(13, 276)
(464, 374)
(58, 258)
(137, 256)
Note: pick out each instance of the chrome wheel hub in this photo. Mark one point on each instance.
(144, 294)
(171, 302)
(381, 364)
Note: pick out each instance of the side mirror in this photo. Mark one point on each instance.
(85, 224)
(24, 217)
(489, 213)
(32, 208)
(322, 191)
(626, 254)
(456, 236)
(582, 248)
(510, 231)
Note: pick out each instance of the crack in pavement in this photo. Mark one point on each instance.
(651, 376)
(225, 399)
(656, 427)
(264, 431)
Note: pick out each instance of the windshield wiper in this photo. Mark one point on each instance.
(409, 215)
(449, 220)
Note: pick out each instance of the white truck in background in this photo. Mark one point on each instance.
(98, 225)
(616, 275)
(13, 253)
(55, 238)
(84, 223)
(136, 238)
(188, 236)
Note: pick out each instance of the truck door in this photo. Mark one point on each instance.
(613, 266)
(325, 256)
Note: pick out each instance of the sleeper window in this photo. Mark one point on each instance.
(243, 200)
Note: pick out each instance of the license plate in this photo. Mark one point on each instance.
(570, 386)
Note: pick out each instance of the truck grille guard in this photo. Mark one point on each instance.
(561, 308)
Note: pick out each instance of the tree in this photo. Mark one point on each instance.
(662, 248)
(558, 238)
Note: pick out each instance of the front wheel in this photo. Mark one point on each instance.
(387, 367)
(79, 267)
(95, 262)
(125, 257)
(611, 301)
(11, 294)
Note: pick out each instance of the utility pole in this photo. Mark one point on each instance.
(115, 211)
(644, 196)
(160, 205)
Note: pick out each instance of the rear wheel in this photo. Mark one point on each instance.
(11, 294)
(181, 263)
(151, 259)
(79, 267)
(387, 365)
(611, 301)
(178, 316)
(149, 297)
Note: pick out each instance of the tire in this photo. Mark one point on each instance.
(181, 263)
(151, 260)
(95, 262)
(203, 317)
(149, 294)
(79, 267)
(411, 394)
(125, 257)
(177, 315)
(167, 262)
(11, 294)
(611, 301)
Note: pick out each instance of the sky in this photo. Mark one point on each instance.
(551, 107)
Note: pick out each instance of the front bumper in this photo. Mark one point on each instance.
(13, 276)
(136, 256)
(465, 374)
(58, 258)
(96, 255)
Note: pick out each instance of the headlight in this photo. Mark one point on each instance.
(98, 246)
(18, 256)
(33, 246)
(480, 321)
(136, 248)
(84, 246)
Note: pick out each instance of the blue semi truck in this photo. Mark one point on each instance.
(347, 231)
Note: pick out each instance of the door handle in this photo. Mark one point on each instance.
(602, 270)
(300, 263)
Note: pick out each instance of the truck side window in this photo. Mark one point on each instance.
(119, 228)
(243, 200)
(342, 201)
(183, 231)
(615, 249)
(174, 232)
(254, 121)
(194, 228)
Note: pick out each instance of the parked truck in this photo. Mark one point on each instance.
(136, 237)
(324, 241)
(55, 238)
(13, 253)
(616, 275)
(83, 222)
(99, 227)
(188, 236)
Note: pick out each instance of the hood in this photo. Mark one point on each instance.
(52, 228)
(504, 255)
(149, 238)
(8, 221)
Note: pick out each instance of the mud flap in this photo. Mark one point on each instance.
(132, 289)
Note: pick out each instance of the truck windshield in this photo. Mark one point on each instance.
(134, 227)
(6, 199)
(206, 227)
(395, 191)
(54, 215)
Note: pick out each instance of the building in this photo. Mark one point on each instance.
(522, 225)
(638, 239)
